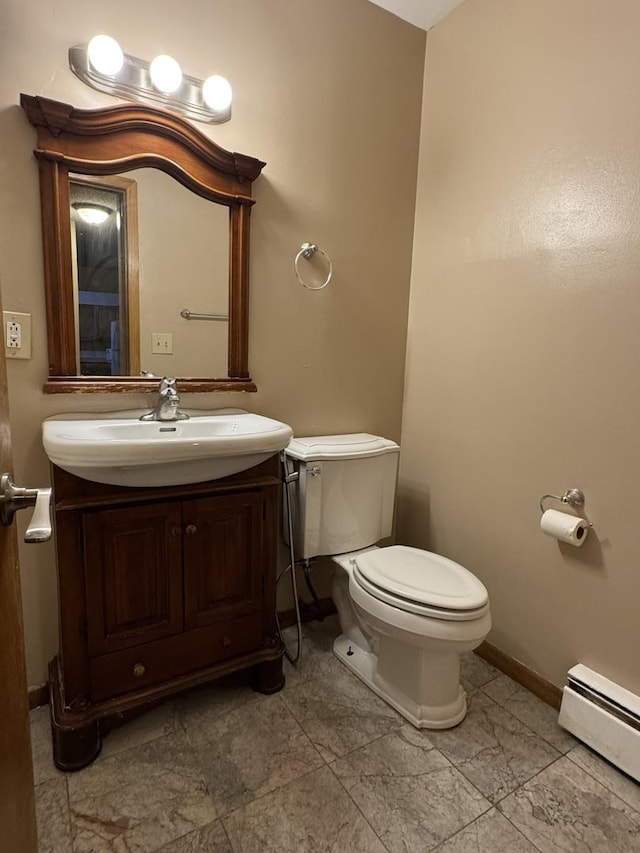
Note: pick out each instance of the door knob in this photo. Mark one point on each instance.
(13, 498)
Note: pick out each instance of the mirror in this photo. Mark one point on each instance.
(159, 285)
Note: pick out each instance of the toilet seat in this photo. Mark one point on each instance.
(421, 582)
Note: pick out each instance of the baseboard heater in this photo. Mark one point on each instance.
(603, 715)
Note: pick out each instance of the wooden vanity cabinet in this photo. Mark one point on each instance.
(160, 589)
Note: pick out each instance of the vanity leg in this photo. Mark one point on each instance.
(75, 748)
(268, 677)
(76, 740)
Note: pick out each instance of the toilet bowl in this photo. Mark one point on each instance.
(408, 651)
(406, 615)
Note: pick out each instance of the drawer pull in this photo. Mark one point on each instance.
(226, 641)
(191, 529)
(176, 530)
(139, 669)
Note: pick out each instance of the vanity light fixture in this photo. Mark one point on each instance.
(102, 65)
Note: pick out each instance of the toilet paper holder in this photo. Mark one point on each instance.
(573, 497)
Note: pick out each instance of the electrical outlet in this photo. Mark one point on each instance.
(17, 334)
(162, 343)
(14, 335)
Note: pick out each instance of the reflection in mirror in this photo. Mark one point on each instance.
(184, 263)
(104, 254)
(150, 241)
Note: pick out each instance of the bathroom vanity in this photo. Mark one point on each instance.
(164, 583)
(161, 589)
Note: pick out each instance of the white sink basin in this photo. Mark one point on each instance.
(120, 449)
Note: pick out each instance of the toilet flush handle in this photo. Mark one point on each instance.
(315, 471)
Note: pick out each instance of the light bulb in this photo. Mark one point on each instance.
(105, 55)
(166, 74)
(217, 93)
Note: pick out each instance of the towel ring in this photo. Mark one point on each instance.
(307, 251)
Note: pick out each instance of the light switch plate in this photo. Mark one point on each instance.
(17, 334)
(162, 343)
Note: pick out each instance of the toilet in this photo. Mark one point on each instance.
(406, 615)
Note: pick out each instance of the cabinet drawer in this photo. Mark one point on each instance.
(162, 660)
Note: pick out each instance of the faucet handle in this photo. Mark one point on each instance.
(168, 389)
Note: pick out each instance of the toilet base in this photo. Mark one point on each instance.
(364, 664)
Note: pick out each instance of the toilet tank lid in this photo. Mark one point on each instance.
(351, 446)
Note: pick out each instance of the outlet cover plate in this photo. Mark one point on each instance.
(24, 334)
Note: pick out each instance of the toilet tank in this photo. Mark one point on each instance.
(345, 493)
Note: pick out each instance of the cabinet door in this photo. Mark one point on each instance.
(133, 569)
(223, 545)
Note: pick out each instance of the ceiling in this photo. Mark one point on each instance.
(421, 13)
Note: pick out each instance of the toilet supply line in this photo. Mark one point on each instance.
(288, 478)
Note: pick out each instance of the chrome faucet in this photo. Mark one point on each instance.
(166, 407)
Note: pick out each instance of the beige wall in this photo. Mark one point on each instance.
(523, 350)
(329, 95)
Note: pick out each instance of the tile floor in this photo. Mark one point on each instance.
(326, 766)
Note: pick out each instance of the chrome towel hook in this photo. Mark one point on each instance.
(307, 251)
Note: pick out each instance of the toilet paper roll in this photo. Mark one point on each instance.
(564, 527)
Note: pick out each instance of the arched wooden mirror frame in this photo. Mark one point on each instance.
(118, 139)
